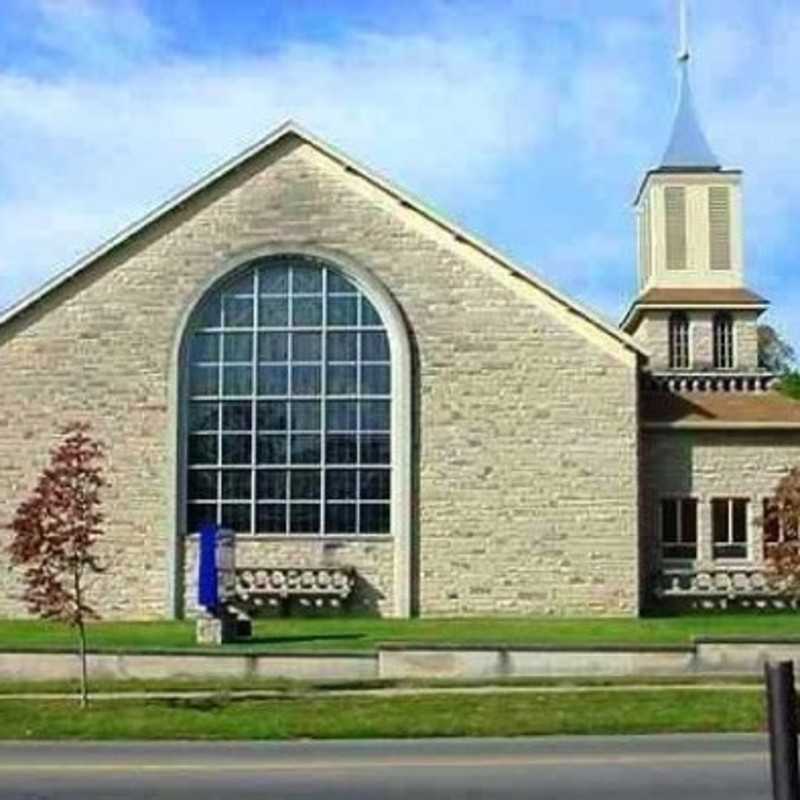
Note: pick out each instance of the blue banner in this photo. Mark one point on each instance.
(207, 589)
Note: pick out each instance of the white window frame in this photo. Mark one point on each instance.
(729, 542)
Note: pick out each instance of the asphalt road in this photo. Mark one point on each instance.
(623, 768)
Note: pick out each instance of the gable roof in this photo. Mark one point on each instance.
(292, 129)
(666, 297)
(719, 410)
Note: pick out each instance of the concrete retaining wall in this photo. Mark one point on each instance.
(392, 662)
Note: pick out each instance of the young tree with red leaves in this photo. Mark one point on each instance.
(781, 527)
(55, 532)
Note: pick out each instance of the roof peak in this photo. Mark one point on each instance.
(688, 146)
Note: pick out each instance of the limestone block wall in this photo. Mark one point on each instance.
(706, 464)
(525, 442)
(653, 333)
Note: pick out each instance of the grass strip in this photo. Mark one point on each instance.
(365, 634)
(670, 711)
(287, 686)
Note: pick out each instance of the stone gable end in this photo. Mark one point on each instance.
(524, 437)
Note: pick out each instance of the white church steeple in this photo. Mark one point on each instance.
(690, 253)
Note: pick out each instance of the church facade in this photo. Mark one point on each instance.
(297, 350)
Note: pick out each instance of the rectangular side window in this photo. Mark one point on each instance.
(679, 528)
(729, 527)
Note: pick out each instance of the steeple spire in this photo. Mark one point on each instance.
(688, 147)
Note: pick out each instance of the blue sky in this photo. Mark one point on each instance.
(531, 126)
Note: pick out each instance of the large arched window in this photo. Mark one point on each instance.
(678, 340)
(287, 399)
(723, 340)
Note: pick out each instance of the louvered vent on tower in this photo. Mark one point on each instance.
(675, 220)
(719, 223)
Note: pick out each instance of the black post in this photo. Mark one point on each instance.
(782, 715)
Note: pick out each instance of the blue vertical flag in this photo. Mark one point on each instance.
(207, 590)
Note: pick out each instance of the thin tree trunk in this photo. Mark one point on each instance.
(84, 681)
(81, 641)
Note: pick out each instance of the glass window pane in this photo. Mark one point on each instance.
(340, 484)
(273, 346)
(204, 381)
(274, 280)
(341, 449)
(342, 379)
(237, 381)
(238, 347)
(203, 449)
(271, 518)
(376, 379)
(306, 280)
(203, 416)
(237, 416)
(375, 415)
(199, 514)
(304, 518)
(369, 316)
(374, 518)
(273, 312)
(772, 526)
(210, 314)
(236, 484)
(237, 312)
(236, 516)
(305, 484)
(272, 449)
(669, 520)
(272, 415)
(342, 346)
(202, 484)
(305, 449)
(340, 518)
(740, 521)
(236, 448)
(375, 484)
(306, 380)
(342, 311)
(271, 484)
(306, 346)
(306, 311)
(305, 415)
(273, 381)
(339, 284)
(719, 520)
(374, 346)
(204, 347)
(689, 520)
(342, 415)
(375, 449)
(241, 285)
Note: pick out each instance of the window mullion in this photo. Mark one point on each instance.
(254, 406)
(323, 410)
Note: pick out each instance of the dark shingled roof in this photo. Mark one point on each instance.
(707, 296)
(697, 408)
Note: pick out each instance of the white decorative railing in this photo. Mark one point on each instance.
(709, 381)
(255, 587)
(731, 583)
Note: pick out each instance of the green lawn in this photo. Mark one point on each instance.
(354, 718)
(364, 634)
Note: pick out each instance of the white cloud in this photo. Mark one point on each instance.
(575, 105)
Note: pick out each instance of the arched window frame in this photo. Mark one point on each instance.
(401, 420)
(723, 340)
(679, 334)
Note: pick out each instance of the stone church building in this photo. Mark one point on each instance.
(296, 349)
